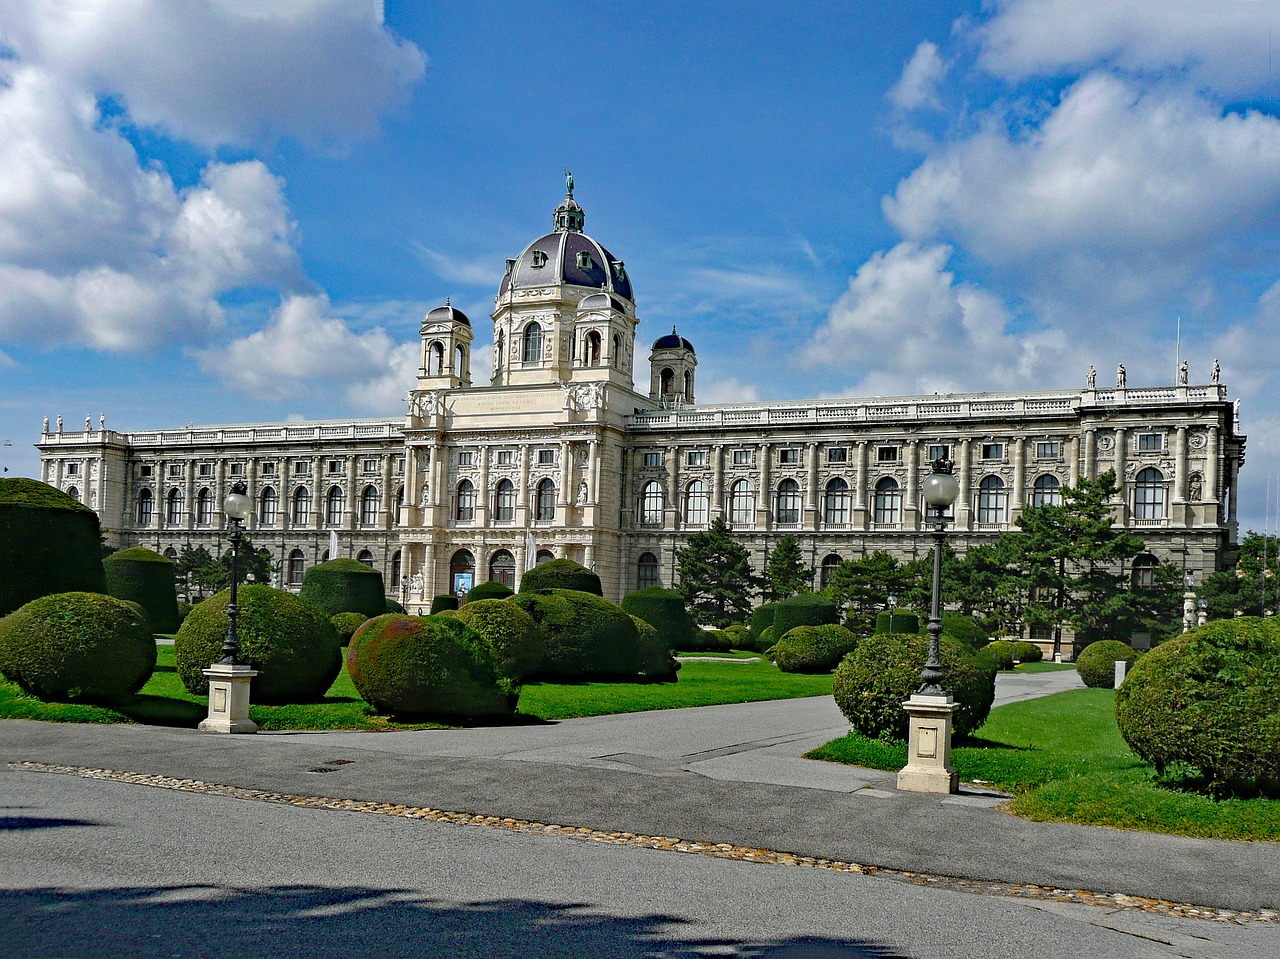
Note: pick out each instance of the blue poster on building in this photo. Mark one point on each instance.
(462, 583)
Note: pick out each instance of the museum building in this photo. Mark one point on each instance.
(560, 456)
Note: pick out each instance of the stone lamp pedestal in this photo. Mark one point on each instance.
(928, 768)
(229, 699)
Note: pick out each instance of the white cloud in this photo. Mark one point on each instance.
(727, 389)
(917, 88)
(1221, 46)
(478, 272)
(226, 71)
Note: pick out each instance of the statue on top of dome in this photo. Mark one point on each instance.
(568, 181)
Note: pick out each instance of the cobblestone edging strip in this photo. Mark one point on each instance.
(719, 850)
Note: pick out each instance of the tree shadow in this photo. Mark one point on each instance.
(20, 823)
(162, 711)
(311, 921)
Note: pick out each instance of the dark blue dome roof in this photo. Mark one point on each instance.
(446, 314)
(672, 341)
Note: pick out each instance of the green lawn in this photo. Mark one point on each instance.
(1064, 760)
(1044, 667)
(165, 702)
(728, 654)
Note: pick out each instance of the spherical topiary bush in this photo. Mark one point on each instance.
(1210, 700)
(961, 627)
(1097, 663)
(49, 543)
(738, 636)
(512, 634)
(761, 619)
(897, 621)
(345, 625)
(586, 635)
(664, 610)
(1028, 652)
(873, 681)
(493, 589)
(344, 586)
(813, 649)
(656, 662)
(146, 577)
(293, 646)
(1003, 652)
(807, 609)
(561, 574)
(77, 646)
(427, 666)
(442, 602)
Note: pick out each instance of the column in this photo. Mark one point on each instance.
(189, 502)
(964, 500)
(626, 459)
(1180, 466)
(219, 491)
(672, 518)
(862, 483)
(285, 506)
(410, 476)
(251, 481)
(1073, 461)
(563, 497)
(388, 501)
(353, 493)
(717, 481)
(811, 487)
(1120, 460)
(1019, 478)
(593, 466)
(317, 496)
(1090, 454)
(910, 510)
(1212, 474)
(522, 494)
(764, 513)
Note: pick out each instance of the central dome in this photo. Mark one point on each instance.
(567, 256)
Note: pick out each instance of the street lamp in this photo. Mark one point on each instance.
(940, 491)
(893, 604)
(236, 506)
(228, 678)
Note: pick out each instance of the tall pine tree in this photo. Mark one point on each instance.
(786, 574)
(716, 578)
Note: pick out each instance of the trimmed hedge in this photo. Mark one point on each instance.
(813, 649)
(561, 574)
(346, 624)
(344, 586)
(1003, 651)
(1027, 651)
(51, 544)
(293, 646)
(1209, 700)
(873, 681)
(664, 610)
(1097, 663)
(738, 635)
(761, 619)
(493, 589)
(77, 646)
(807, 609)
(394, 606)
(711, 641)
(427, 666)
(442, 602)
(513, 635)
(961, 627)
(586, 636)
(903, 620)
(146, 577)
(656, 662)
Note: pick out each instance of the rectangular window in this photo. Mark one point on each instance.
(939, 451)
(206, 470)
(1150, 442)
(466, 458)
(505, 457)
(144, 470)
(886, 454)
(369, 464)
(742, 457)
(175, 469)
(837, 454)
(789, 456)
(268, 469)
(652, 459)
(335, 466)
(696, 458)
(993, 451)
(1047, 450)
(546, 457)
(73, 469)
(400, 465)
(301, 467)
(237, 469)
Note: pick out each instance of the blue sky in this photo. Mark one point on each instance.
(238, 210)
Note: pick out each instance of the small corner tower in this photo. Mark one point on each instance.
(671, 365)
(446, 349)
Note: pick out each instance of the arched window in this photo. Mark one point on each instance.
(788, 511)
(617, 352)
(1148, 494)
(544, 556)
(651, 504)
(1144, 571)
(324, 557)
(666, 378)
(545, 501)
(1046, 492)
(696, 503)
(435, 359)
(888, 502)
(296, 566)
(592, 355)
(502, 568)
(369, 506)
(462, 571)
(504, 502)
(144, 508)
(688, 386)
(399, 501)
(73, 493)
(397, 567)
(532, 354)
(993, 501)
(204, 507)
(837, 504)
(268, 507)
(742, 504)
(333, 506)
(647, 571)
(170, 554)
(173, 508)
(366, 557)
(301, 506)
(829, 564)
(459, 361)
(466, 502)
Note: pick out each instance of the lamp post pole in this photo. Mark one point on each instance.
(231, 645)
(932, 674)
(228, 677)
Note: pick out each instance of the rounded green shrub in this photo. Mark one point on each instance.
(664, 610)
(656, 662)
(813, 649)
(738, 636)
(761, 619)
(586, 636)
(961, 627)
(1027, 651)
(873, 682)
(512, 634)
(77, 646)
(49, 543)
(427, 666)
(393, 606)
(292, 645)
(711, 641)
(345, 625)
(146, 577)
(902, 621)
(442, 602)
(1003, 651)
(344, 586)
(1096, 664)
(766, 640)
(493, 589)
(1210, 700)
(183, 609)
(561, 574)
(807, 609)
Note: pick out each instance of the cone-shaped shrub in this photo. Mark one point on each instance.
(145, 577)
(512, 634)
(344, 586)
(49, 543)
(294, 648)
(561, 574)
(77, 646)
(586, 636)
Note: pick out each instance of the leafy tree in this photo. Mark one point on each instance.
(716, 578)
(786, 574)
(863, 586)
(250, 561)
(986, 582)
(193, 566)
(1239, 589)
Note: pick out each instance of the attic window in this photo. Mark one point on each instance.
(539, 259)
(619, 269)
(584, 260)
